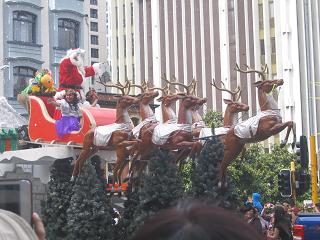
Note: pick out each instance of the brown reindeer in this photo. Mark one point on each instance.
(119, 140)
(233, 106)
(183, 139)
(268, 122)
(146, 130)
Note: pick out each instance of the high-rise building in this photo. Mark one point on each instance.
(121, 39)
(96, 21)
(204, 39)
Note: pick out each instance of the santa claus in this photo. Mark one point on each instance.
(73, 72)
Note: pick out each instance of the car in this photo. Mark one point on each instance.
(307, 227)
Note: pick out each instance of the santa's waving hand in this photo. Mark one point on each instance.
(73, 71)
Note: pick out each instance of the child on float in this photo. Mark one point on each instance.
(70, 111)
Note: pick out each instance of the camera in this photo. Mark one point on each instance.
(16, 196)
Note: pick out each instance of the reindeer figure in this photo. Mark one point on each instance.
(117, 136)
(145, 130)
(232, 110)
(259, 128)
(181, 136)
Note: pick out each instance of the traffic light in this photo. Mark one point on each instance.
(303, 182)
(284, 183)
(303, 152)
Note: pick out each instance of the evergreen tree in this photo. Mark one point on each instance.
(55, 206)
(205, 177)
(90, 212)
(161, 188)
(130, 204)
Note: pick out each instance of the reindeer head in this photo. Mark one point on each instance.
(148, 94)
(233, 104)
(168, 97)
(236, 107)
(268, 85)
(124, 100)
(199, 103)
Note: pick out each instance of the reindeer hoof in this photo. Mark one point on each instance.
(220, 185)
(283, 144)
(73, 178)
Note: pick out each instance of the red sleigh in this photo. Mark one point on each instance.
(42, 125)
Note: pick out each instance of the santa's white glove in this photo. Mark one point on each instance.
(100, 68)
(60, 95)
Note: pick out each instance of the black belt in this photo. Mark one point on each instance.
(70, 86)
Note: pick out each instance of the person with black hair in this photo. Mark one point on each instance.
(251, 216)
(282, 228)
(196, 221)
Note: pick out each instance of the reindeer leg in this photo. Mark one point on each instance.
(230, 153)
(281, 126)
(87, 150)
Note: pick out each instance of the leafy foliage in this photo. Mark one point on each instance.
(161, 188)
(213, 119)
(205, 177)
(89, 214)
(186, 173)
(57, 202)
(257, 171)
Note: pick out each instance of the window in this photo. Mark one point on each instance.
(124, 15)
(94, 26)
(116, 17)
(24, 27)
(124, 46)
(68, 33)
(262, 49)
(94, 40)
(260, 8)
(94, 2)
(94, 53)
(271, 11)
(21, 77)
(132, 44)
(131, 5)
(93, 13)
(117, 42)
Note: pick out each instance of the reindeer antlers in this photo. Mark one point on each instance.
(120, 86)
(263, 73)
(235, 94)
(191, 88)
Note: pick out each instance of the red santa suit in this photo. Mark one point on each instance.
(70, 76)
(73, 73)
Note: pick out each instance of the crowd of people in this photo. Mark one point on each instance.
(273, 221)
(190, 220)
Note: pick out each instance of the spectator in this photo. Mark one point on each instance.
(294, 214)
(197, 222)
(256, 201)
(252, 218)
(317, 207)
(249, 201)
(287, 208)
(13, 227)
(282, 228)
